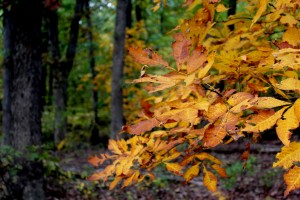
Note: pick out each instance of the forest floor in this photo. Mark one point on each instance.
(257, 181)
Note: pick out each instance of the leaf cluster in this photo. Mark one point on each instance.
(225, 84)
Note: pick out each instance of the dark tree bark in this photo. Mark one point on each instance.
(231, 11)
(61, 72)
(22, 90)
(138, 12)
(95, 138)
(129, 15)
(117, 68)
(7, 74)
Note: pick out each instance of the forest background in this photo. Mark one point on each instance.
(87, 95)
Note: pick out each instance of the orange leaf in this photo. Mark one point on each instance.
(292, 180)
(213, 136)
(114, 183)
(174, 168)
(96, 161)
(215, 111)
(147, 57)
(196, 60)
(141, 127)
(209, 180)
(180, 49)
(221, 171)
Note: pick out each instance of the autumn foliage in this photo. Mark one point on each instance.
(223, 85)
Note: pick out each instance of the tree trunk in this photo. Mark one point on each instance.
(231, 11)
(117, 68)
(61, 73)
(22, 90)
(95, 138)
(7, 74)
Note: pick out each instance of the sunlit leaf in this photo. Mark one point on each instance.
(191, 173)
(263, 121)
(288, 155)
(292, 180)
(213, 136)
(285, 125)
(209, 180)
(174, 168)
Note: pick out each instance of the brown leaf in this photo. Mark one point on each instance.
(141, 127)
(181, 49)
(213, 136)
(147, 57)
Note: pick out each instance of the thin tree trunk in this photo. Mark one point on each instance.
(138, 11)
(60, 77)
(117, 68)
(95, 138)
(231, 11)
(7, 75)
(22, 75)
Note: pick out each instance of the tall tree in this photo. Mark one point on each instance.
(117, 68)
(61, 72)
(22, 90)
(95, 139)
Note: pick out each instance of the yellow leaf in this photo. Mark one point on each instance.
(61, 144)
(221, 171)
(289, 122)
(206, 156)
(266, 122)
(221, 8)
(238, 98)
(113, 146)
(288, 155)
(209, 180)
(288, 19)
(261, 8)
(170, 125)
(114, 183)
(174, 168)
(269, 102)
(292, 36)
(172, 156)
(210, 61)
(297, 108)
(274, 84)
(245, 104)
(191, 173)
(133, 178)
(289, 84)
(292, 180)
